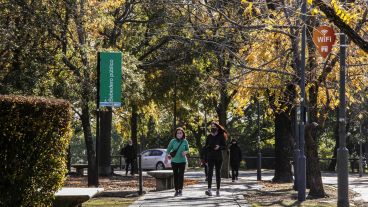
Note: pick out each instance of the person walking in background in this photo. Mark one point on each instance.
(235, 158)
(215, 142)
(129, 153)
(204, 164)
(176, 151)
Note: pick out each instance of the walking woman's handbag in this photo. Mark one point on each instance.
(173, 153)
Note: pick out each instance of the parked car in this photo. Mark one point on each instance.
(154, 159)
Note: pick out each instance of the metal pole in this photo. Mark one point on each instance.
(140, 174)
(360, 151)
(342, 152)
(296, 147)
(259, 160)
(302, 158)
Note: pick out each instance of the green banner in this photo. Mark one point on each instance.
(110, 79)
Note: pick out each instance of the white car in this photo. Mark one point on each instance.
(154, 159)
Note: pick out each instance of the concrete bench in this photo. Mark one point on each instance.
(164, 179)
(79, 168)
(73, 197)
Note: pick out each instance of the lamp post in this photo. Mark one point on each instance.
(259, 154)
(342, 151)
(296, 147)
(360, 150)
(302, 158)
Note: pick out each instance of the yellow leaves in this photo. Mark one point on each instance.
(310, 2)
(315, 11)
(248, 8)
(343, 14)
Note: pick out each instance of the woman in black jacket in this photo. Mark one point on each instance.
(235, 158)
(215, 143)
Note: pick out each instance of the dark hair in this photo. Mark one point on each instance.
(221, 129)
(179, 129)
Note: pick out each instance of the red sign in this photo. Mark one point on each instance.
(324, 38)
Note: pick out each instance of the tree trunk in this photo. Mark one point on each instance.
(91, 156)
(222, 114)
(104, 164)
(134, 131)
(314, 178)
(283, 148)
(332, 166)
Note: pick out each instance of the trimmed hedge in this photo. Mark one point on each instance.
(34, 135)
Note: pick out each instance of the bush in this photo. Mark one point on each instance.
(35, 133)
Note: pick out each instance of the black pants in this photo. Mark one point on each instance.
(131, 163)
(205, 169)
(217, 164)
(178, 169)
(234, 171)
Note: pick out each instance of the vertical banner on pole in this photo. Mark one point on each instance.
(109, 71)
(110, 79)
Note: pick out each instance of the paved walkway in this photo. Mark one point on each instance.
(194, 195)
(231, 193)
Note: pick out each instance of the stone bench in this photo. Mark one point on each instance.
(164, 179)
(79, 168)
(73, 197)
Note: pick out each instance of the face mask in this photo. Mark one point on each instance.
(213, 130)
(234, 142)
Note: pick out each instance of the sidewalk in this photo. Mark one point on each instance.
(232, 193)
(194, 195)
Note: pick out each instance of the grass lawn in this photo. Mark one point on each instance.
(109, 202)
(272, 194)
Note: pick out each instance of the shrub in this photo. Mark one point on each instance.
(35, 133)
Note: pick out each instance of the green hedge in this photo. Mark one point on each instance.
(35, 133)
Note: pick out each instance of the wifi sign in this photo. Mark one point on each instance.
(324, 38)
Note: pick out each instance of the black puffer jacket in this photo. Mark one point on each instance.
(235, 154)
(211, 142)
(129, 152)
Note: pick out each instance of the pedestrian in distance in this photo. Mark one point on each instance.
(130, 155)
(215, 143)
(235, 158)
(177, 150)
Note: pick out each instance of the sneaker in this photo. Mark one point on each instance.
(236, 178)
(180, 192)
(217, 193)
(233, 181)
(208, 192)
(176, 193)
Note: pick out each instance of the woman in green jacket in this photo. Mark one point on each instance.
(180, 145)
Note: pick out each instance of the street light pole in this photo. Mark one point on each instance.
(342, 152)
(259, 160)
(360, 150)
(302, 158)
(296, 147)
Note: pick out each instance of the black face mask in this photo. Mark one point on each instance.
(213, 130)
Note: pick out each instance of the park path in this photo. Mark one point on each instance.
(232, 193)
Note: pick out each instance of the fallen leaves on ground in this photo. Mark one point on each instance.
(283, 194)
(118, 182)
